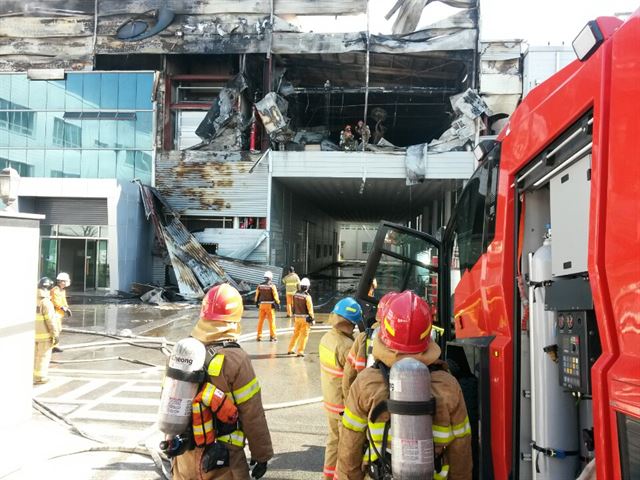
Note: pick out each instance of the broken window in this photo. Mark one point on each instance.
(253, 222)
(189, 98)
(198, 224)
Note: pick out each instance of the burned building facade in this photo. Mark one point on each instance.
(261, 139)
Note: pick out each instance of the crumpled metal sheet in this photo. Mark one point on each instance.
(195, 269)
(225, 112)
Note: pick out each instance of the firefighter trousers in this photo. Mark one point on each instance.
(187, 466)
(331, 451)
(300, 334)
(41, 360)
(289, 304)
(266, 312)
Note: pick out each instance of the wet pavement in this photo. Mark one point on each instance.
(108, 386)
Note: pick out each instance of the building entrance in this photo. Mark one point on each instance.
(84, 259)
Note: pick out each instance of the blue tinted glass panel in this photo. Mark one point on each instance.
(36, 159)
(90, 162)
(4, 130)
(109, 91)
(143, 91)
(71, 165)
(126, 133)
(90, 133)
(17, 159)
(38, 138)
(143, 167)
(20, 91)
(38, 95)
(56, 94)
(127, 91)
(143, 130)
(5, 88)
(91, 91)
(53, 130)
(108, 133)
(126, 164)
(73, 96)
(53, 163)
(107, 164)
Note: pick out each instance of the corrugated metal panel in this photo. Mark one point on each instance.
(158, 271)
(248, 273)
(72, 211)
(213, 183)
(500, 83)
(453, 165)
(231, 242)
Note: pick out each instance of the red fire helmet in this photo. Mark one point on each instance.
(406, 324)
(222, 303)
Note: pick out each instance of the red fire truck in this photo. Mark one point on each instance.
(538, 273)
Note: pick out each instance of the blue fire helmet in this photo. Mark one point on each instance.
(349, 309)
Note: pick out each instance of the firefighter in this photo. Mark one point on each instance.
(334, 347)
(47, 331)
(291, 284)
(230, 371)
(303, 318)
(361, 350)
(405, 331)
(59, 295)
(267, 301)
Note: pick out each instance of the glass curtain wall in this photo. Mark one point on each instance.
(89, 125)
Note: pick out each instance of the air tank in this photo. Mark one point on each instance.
(412, 455)
(553, 410)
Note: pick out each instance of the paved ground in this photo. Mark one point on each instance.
(109, 388)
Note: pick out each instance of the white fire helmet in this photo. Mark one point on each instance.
(305, 282)
(268, 275)
(64, 277)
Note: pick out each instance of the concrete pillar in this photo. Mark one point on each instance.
(19, 240)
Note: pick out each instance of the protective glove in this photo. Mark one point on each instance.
(311, 321)
(67, 312)
(56, 340)
(259, 470)
(277, 306)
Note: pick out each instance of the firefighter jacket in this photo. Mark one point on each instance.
(267, 293)
(451, 428)
(357, 357)
(302, 304)
(230, 370)
(334, 347)
(59, 299)
(47, 322)
(291, 283)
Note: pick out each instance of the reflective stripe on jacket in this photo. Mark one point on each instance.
(450, 426)
(291, 283)
(47, 322)
(302, 304)
(231, 371)
(357, 358)
(333, 348)
(267, 293)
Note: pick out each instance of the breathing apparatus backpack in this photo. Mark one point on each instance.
(201, 412)
(411, 407)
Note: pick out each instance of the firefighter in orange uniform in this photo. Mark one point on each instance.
(267, 301)
(47, 332)
(230, 371)
(59, 295)
(405, 331)
(334, 346)
(291, 286)
(362, 347)
(303, 318)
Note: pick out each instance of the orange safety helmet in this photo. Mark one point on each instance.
(383, 303)
(406, 324)
(222, 303)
